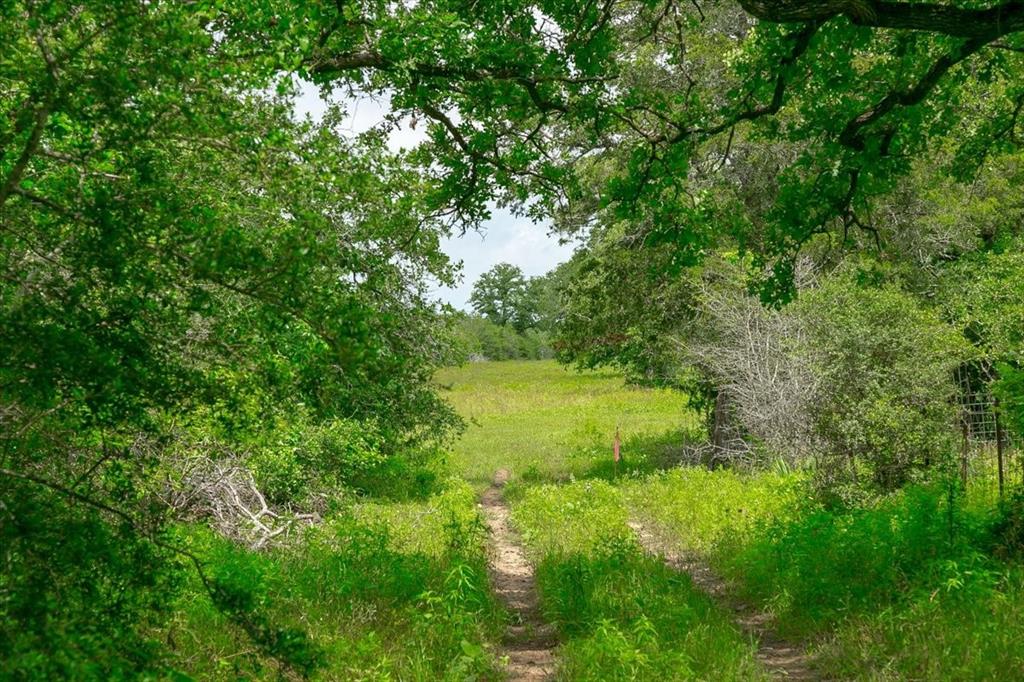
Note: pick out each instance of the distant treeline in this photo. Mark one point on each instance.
(477, 339)
(513, 316)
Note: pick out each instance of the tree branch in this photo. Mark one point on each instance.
(989, 23)
(853, 134)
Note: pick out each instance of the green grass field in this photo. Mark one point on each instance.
(907, 588)
(544, 422)
(621, 615)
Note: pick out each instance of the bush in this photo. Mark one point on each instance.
(479, 338)
(1008, 527)
(902, 588)
(381, 591)
(822, 565)
(79, 595)
(884, 366)
(304, 458)
(1010, 391)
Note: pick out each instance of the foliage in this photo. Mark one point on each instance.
(963, 629)
(477, 338)
(528, 103)
(505, 298)
(189, 273)
(375, 601)
(305, 457)
(78, 595)
(623, 615)
(184, 265)
(1010, 390)
(905, 586)
(621, 306)
(884, 366)
(1008, 526)
(501, 296)
(857, 372)
(547, 295)
(909, 574)
(984, 300)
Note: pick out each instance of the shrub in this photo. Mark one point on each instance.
(884, 366)
(78, 595)
(1008, 527)
(381, 591)
(1010, 390)
(479, 338)
(303, 457)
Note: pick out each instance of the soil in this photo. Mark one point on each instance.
(529, 642)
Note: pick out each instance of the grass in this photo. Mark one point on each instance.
(384, 591)
(904, 588)
(714, 511)
(622, 615)
(397, 588)
(545, 422)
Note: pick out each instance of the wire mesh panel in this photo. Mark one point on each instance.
(989, 457)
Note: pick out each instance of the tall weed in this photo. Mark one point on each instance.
(622, 615)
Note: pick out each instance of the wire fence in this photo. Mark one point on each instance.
(989, 457)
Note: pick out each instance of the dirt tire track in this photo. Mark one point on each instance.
(782, 659)
(529, 642)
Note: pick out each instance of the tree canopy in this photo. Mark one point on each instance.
(190, 278)
(577, 108)
(500, 295)
(201, 292)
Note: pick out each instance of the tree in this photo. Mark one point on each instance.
(885, 389)
(525, 101)
(183, 268)
(501, 295)
(547, 293)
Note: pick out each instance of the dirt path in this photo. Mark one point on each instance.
(529, 642)
(782, 659)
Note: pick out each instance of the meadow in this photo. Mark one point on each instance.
(912, 586)
(619, 613)
(243, 429)
(545, 422)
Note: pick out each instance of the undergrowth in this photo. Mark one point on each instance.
(622, 615)
(910, 586)
(375, 599)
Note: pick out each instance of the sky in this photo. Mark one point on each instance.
(504, 238)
